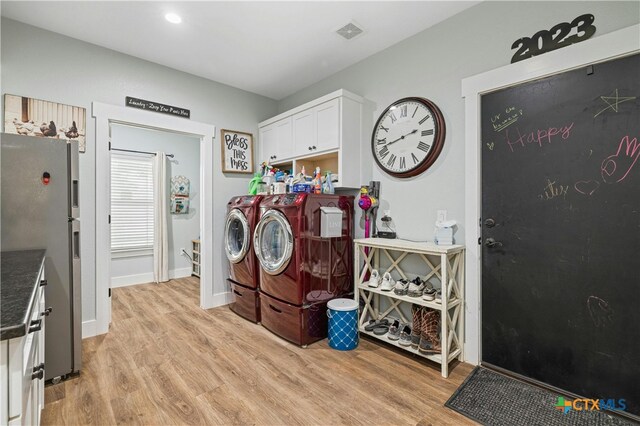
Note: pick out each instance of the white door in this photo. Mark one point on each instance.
(327, 125)
(304, 132)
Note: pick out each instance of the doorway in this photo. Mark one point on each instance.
(107, 115)
(136, 218)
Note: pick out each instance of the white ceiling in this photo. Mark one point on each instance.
(270, 48)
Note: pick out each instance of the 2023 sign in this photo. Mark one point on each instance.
(560, 35)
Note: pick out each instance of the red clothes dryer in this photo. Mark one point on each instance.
(299, 270)
(244, 277)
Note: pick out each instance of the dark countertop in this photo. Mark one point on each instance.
(18, 287)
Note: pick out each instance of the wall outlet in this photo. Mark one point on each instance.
(442, 215)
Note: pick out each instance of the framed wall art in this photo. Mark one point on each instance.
(35, 117)
(237, 151)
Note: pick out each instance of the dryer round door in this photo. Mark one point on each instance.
(273, 242)
(236, 236)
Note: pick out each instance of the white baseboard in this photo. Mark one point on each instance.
(219, 299)
(89, 328)
(127, 280)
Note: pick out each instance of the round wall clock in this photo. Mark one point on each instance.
(408, 137)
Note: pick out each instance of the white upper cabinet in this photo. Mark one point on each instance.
(327, 118)
(328, 132)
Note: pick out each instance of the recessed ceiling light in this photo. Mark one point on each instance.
(173, 18)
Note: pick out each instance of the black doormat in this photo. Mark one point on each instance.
(492, 398)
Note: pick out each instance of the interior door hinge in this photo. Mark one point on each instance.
(109, 145)
(480, 241)
(109, 219)
(109, 292)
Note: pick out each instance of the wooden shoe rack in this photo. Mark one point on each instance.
(406, 259)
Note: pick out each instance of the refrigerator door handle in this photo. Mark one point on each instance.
(74, 178)
(76, 298)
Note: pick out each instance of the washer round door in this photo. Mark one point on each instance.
(236, 236)
(273, 242)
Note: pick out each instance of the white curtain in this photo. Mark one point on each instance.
(160, 212)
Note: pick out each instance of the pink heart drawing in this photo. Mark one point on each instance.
(587, 187)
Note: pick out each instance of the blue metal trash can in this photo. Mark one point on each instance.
(343, 324)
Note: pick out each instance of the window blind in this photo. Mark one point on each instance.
(131, 203)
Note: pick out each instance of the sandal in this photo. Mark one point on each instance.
(381, 330)
(373, 324)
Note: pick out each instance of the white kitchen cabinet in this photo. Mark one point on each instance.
(330, 132)
(276, 141)
(22, 369)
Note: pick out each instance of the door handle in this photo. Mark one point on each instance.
(46, 312)
(274, 308)
(490, 242)
(237, 293)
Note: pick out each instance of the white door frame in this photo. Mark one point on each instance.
(106, 115)
(615, 44)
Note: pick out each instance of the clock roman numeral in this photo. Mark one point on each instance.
(382, 141)
(384, 128)
(393, 118)
(392, 160)
(415, 159)
(423, 147)
(424, 119)
(403, 111)
(427, 132)
(414, 113)
(403, 163)
(384, 151)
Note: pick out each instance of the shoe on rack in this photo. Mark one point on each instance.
(401, 288)
(416, 287)
(373, 324)
(395, 330)
(439, 296)
(374, 279)
(430, 335)
(388, 283)
(429, 293)
(405, 336)
(417, 313)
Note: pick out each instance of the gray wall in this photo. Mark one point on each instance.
(182, 228)
(432, 64)
(45, 65)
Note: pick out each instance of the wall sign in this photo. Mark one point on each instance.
(237, 151)
(157, 107)
(561, 35)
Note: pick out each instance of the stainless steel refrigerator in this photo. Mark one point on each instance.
(41, 213)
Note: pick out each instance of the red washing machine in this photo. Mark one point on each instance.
(300, 271)
(244, 275)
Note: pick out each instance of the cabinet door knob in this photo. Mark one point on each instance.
(38, 375)
(36, 325)
(314, 147)
(46, 312)
(43, 283)
(310, 148)
(274, 157)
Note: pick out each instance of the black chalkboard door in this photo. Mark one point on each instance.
(561, 230)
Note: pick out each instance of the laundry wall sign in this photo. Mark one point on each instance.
(157, 107)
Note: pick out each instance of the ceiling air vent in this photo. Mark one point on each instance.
(349, 31)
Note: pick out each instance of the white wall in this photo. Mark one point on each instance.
(45, 65)
(182, 228)
(432, 64)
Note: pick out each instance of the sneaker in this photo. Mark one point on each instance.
(416, 287)
(401, 288)
(405, 336)
(395, 330)
(374, 279)
(417, 313)
(429, 293)
(439, 296)
(388, 283)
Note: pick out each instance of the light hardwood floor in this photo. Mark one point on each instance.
(166, 361)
